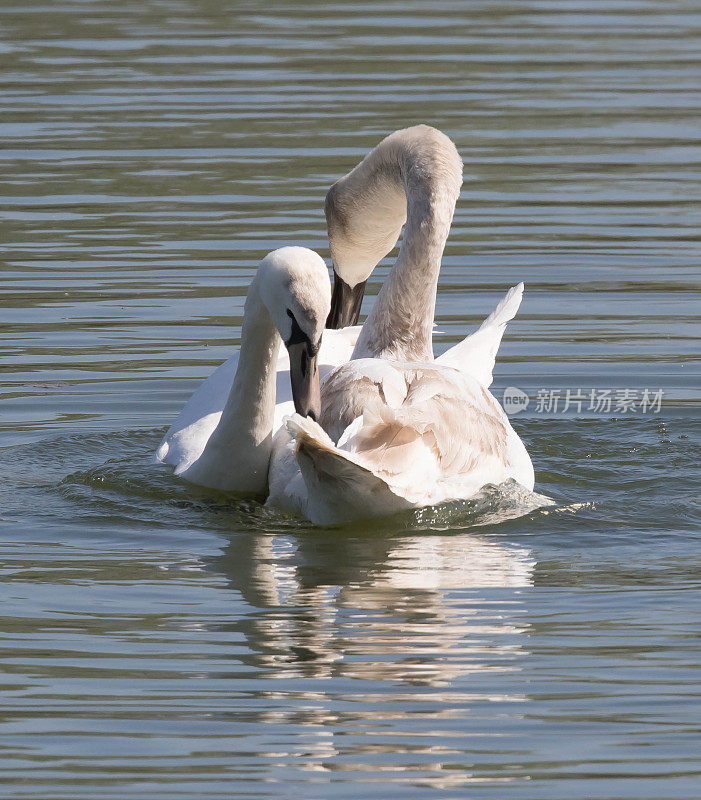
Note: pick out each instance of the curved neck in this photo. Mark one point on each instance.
(237, 454)
(413, 175)
(400, 324)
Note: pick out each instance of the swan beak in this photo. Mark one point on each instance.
(345, 303)
(304, 376)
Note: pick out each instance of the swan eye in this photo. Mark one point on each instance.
(297, 335)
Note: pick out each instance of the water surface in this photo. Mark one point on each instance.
(162, 642)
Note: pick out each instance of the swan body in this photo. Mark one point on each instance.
(288, 301)
(187, 437)
(443, 440)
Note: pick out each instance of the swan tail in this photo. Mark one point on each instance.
(506, 310)
(476, 354)
(340, 488)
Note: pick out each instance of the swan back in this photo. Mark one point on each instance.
(440, 437)
(415, 423)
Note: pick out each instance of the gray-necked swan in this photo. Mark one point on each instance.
(399, 430)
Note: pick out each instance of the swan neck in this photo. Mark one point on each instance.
(237, 454)
(413, 176)
(400, 325)
(251, 402)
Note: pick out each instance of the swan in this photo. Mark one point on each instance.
(288, 300)
(365, 212)
(398, 429)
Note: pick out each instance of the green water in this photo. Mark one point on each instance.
(159, 642)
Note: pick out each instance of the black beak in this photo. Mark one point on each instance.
(345, 303)
(304, 376)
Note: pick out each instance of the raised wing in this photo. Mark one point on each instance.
(475, 355)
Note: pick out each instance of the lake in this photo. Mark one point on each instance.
(160, 641)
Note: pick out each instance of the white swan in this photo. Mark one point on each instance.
(397, 429)
(288, 300)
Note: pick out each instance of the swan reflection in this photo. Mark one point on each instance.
(421, 609)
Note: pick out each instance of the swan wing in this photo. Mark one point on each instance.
(357, 387)
(335, 484)
(188, 435)
(448, 429)
(444, 439)
(475, 355)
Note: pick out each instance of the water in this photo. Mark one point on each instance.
(162, 642)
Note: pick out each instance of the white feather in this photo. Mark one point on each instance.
(444, 440)
(476, 354)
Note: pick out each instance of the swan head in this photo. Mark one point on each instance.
(363, 223)
(294, 287)
(366, 209)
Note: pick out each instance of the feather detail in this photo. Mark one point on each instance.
(338, 485)
(445, 440)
